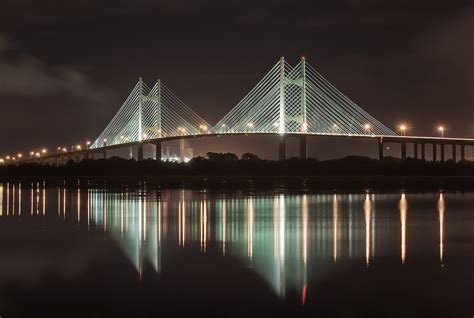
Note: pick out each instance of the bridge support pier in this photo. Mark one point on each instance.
(463, 152)
(282, 148)
(415, 150)
(442, 152)
(104, 154)
(435, 155)
(140, 152)
(157, 150)
(404, 149)
(423, 151)
(453, 152)
(181, 150)
(303, 147)
(380, 148)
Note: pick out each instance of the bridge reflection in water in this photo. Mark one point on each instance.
(282, 237)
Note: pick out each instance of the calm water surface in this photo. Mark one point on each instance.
(94, 251)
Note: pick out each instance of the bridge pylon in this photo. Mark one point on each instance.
(298, 100)
(150, 114)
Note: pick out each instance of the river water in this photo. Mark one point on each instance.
(99, 251)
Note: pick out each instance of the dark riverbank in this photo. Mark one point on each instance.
(225, 170)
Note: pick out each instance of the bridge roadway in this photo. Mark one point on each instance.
(419, 146)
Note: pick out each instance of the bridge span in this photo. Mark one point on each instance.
(420, 147)
(288, 102)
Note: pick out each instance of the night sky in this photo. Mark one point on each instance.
(66, 66)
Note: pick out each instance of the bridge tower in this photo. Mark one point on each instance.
(304, 124)
(281, 117)
(294, 114)
(156, 99)
(140, 119)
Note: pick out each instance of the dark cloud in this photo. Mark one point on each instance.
(28, 75)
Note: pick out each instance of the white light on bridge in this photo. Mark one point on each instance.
(441, 130)
(403, 128)
(304, 127)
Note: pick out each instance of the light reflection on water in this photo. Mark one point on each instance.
(284, 238)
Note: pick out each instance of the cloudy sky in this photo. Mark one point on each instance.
(66, 66)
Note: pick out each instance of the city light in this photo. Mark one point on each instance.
(2, 161)
(78, 147)
(43, 151)
(88, 143)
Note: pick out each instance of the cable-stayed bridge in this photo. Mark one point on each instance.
(289, 101)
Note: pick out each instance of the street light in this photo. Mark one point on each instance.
(367, 128)
(203, 128)
(441, 131)
(403, 129)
